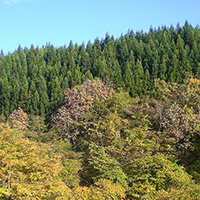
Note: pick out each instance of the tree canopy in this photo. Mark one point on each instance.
(35, 79)
(116, 119)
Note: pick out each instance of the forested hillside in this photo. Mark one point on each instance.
(105, 144)
(34, 79)
(116, 119)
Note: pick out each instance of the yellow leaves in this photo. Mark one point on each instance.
(81, 193)
(4, 193)
(104, 189)
(133, 117)
(29, 169)
(193, 85)
(189, 193)
(110, 190)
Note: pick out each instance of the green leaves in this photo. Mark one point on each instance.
(105, 166)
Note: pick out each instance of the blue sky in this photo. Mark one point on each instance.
(38, 22)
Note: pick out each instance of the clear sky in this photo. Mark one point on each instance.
(38, 22)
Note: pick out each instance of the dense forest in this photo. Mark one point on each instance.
(34, 79)
(116, 119)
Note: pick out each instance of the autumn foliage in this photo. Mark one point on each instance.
(27, 171)
(77, 102)
(19, 118)
(106, 145)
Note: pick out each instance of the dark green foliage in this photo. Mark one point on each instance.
(35, 79)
